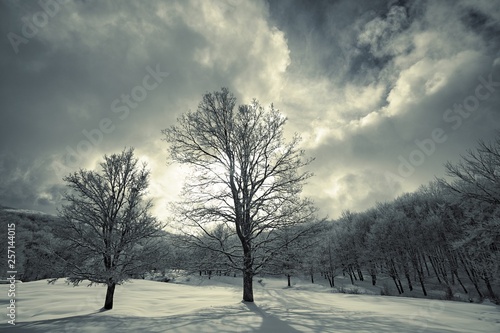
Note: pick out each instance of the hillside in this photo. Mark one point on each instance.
(34, 243)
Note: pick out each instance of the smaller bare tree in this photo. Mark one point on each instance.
(477, 176)
(108, 224)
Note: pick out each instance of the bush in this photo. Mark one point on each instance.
(353, 291)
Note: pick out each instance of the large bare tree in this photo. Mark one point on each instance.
(244, 175)
(107, 222)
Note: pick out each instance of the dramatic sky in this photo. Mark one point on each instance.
(382, 92)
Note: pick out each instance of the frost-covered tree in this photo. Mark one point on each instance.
(477, 175)
(476, 183)
(244, 175)
(328, 257)
(108, 224)
(298, 255)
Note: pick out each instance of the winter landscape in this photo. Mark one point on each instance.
(250, 166)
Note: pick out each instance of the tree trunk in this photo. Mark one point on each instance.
(360, 275)
(460, 281)
(110, 292)
(421, 279)
(420, 274)
(435, 270)
(471, 276)
(373, 273)
(331, 281)
(442, 270)
(288, 279)
(474, 282)
(397, 286)
(247, 286)
(350, 274)
(401, 286)
(247, 277)
(418, 270)
(408, 279)
(426, 266)
(490, 289)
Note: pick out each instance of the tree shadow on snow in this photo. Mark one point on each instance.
(244, 317)
(270, 323)
(56, 325)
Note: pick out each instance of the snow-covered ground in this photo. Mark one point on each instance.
(24, 211)
(201, 305)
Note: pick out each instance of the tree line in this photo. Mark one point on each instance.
(447, 231)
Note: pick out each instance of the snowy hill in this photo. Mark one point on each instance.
(214, 306)
(24, 211)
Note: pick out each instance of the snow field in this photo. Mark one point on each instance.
(202, 305)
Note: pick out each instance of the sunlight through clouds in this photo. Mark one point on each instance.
(359, 81)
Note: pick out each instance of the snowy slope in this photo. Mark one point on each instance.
(24, 211)
(215, 306)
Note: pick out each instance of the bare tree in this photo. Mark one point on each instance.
(108, 223)
(477, 182)
(244, 176)
(477, 176)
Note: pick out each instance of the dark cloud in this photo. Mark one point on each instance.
(401, 67)
(362, 82)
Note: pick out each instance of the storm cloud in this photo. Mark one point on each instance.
(382, 92)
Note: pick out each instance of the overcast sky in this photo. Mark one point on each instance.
(382, 92)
